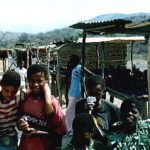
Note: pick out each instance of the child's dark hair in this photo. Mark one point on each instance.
(11, 78)
(74, 60)
(127, 103)
(94, 80)
(84, 122)
(35, 68)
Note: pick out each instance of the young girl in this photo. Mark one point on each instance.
(42, 130)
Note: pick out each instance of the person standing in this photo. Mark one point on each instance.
(74, 93)
(42, 129)
(23, 73)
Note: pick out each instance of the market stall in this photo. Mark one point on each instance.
(126, 24)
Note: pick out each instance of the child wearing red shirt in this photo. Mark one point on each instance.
(42, 129)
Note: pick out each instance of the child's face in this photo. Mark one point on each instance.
(96, 91)
(8, 92)
(37, 82)
(86, 138)
(131, 115)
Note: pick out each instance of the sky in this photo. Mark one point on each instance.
(34, 16)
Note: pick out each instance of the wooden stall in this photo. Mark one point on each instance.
(31, 55)
(4, 54)
(126, 24)
(100, 54)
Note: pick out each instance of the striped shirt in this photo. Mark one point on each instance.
(8, 117)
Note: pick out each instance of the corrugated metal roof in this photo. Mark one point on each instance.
(103, 39)
(112, 39)
(115, 23)
(106, 18)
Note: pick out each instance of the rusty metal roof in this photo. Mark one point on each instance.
(117, 23)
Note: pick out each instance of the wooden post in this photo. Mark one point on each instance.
(37, 55)
(4, 65)
(98, 57)
(58, 78)
(28, 50)
(83, 63)
(103, 61)
(148, 76)
(48, 61)
(132, 56)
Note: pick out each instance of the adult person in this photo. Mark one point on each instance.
(131, 132)
(23, 73)
(105, 112)
(74, 93)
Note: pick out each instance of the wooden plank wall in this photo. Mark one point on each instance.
(114, 54)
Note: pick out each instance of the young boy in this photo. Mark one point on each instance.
(8, 110)
(41, 130)
(105, 112)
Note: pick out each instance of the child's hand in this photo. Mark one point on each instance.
(47, 89)
(27, 90)
(23, 124)
(48, 103)
(89, 106)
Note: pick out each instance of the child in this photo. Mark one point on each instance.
(83, 131)
(8, 110)
(41, 130)
(131, 132)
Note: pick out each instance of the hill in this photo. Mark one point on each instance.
(9, 39)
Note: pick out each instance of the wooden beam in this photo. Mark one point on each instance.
(137, 25)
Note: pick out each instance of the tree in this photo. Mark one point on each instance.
(24, 38)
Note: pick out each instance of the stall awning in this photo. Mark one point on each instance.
(117, 23)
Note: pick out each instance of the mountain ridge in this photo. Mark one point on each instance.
(8, 39)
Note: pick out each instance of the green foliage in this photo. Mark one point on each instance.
(65, 34)
(24, 38)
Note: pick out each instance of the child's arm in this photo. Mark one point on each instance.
(48, 103)
(24, 126)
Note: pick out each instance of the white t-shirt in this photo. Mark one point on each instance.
(23, 75)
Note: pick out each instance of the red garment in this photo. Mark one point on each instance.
(33, 109)
(58, 119)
